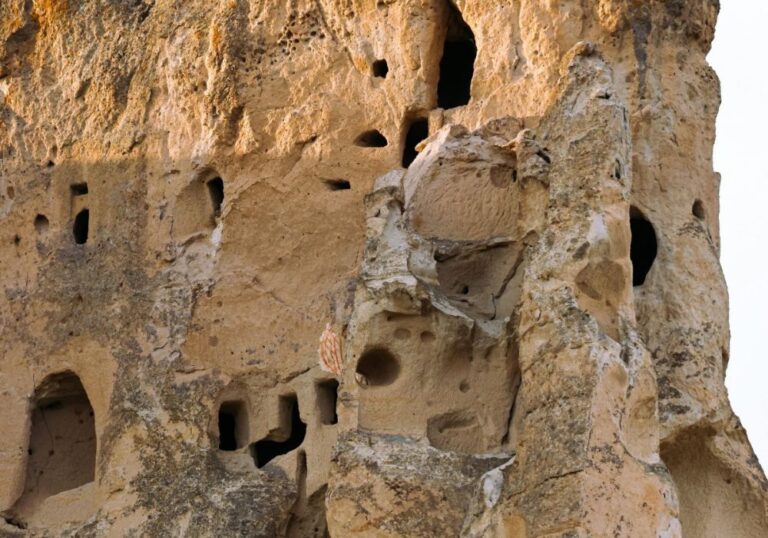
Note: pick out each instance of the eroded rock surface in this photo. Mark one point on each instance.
(501, 216)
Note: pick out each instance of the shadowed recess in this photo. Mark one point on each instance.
(62, 439)
(41, 224)
(288, 436)
(643, 248)
(378, 367)
(714, 501)
(698, 210)
(326, 400)
(418, 130)
(80, 227)
(216, 193)
(371, 139)
(233, 426)
(380, 69)
(79, 189)
(337, 184)
(457, 64)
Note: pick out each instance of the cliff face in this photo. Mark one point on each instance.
(500, 216)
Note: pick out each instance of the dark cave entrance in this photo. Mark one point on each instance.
(457, 64)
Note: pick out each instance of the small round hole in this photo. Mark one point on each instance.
(378, 367)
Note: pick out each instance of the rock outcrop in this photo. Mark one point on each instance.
(500, 217)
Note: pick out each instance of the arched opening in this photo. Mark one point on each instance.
(714, 500)
(62, 441)
(327, 395)
(643, 247)
(457, 64)
(80, 227)
(41, 224)
(380, 69)
(418, 130)
(698, 210)
(216, 194)
(286, 438)
(377, 367)
(233, 425)
(371, 139)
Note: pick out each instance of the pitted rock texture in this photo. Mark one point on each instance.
(505, 212)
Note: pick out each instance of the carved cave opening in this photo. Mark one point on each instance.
(643, 248)
(216, 194)
(380, 69)
(41, 224)
(698, 210)
(337, 184)
(233, 425)
(80, 227)
(79, 189)
(198, 206)
(327, 397)
(371, 139)
(377, 367)
(62, 440)
(457, 64)
(418, 130)
(286, 438)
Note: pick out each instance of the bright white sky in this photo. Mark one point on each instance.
(739, 56)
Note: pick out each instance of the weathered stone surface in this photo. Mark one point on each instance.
(516, 249)
(392, 486)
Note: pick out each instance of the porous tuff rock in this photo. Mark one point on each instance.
(240, 165)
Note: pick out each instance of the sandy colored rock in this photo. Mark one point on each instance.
(503, 215)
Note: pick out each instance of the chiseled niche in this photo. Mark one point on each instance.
(233, 425)
(80, 212)
(714, 500)
(62, 441)
(199, 206)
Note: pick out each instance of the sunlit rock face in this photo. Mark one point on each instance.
(364, 268)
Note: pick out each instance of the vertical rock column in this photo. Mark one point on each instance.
(585, 416)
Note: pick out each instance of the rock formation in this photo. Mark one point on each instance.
(500, 216)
